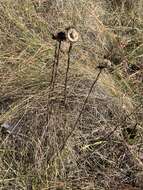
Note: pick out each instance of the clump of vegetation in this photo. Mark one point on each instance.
(86, 132)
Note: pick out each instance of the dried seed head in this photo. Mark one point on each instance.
(60, 36)
(104, 64)
(107, 63)
(72, 35)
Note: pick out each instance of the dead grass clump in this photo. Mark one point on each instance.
(53, 145)
(121, 5)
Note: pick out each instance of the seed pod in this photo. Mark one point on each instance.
(60, 36)
(72, 35)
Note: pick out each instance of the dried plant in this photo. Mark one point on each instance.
(94, 139)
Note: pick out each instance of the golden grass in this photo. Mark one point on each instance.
(32, 156)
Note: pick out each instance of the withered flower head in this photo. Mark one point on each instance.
(72, 35)
(60, 36)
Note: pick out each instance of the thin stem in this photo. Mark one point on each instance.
(56, 63)
(78, 118)
(82, 109)
(67, 70)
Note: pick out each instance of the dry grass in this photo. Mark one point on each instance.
(47, 148)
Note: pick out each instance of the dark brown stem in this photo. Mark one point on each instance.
(67, 70)
(82, 109)
(78, 118)
(55, 65)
